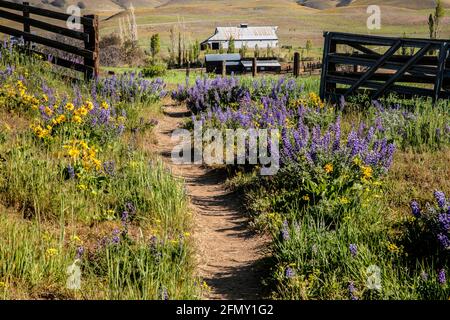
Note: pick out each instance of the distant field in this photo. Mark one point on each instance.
(297, 23)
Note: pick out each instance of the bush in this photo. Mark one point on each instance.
(153, 71)
(112, 56)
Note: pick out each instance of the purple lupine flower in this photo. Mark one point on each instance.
(71, 172)
(164, 294)
(285, 231)
(109, 167)
(442, 279)
(352, 291)
(80, 252)
(124, 217)
(444, 221)
(353, 250)
(415, 208)
(444, 240)
(440, 199)
(290, 273)
(116, 236)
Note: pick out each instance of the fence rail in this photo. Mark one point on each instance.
(381, 65)
(89, 35)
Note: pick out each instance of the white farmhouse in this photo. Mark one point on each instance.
(243, 35)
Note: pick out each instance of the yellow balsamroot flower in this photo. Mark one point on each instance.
(73, 153)
(367, 172)
(105, 105)
(21, 88)
(51, 252)
(58, 120)
(77, 119)
(69, 106)
(97, 163)
(393, 248)
(41, 132)
(306, 198)
(48, 111)
(328, 168)
(82, 187)
(83, 145)
(45, 97)
(205, 286)
(83, 111)
(315, 100)
(89, 105)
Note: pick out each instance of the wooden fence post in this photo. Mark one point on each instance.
(296, 64)
(26, 26)
(224, 68)
(92, 44)
(188, 69)
(254, 67)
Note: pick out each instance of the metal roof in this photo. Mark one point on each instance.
(261, 63)
(244, 33)
(223, 57)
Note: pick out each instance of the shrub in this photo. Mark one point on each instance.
(154, 71)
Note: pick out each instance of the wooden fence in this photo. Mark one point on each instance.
(89, 35)
(307, 66)
(379, 65)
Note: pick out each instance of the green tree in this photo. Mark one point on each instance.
(434, 20)
(155, 45)
(243, 50)
(439, 13)
(256, 51)
(196, 51)
(431, 25)
(231, 45)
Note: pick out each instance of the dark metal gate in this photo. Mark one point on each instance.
(374, 65)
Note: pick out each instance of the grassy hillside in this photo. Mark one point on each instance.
(296, 23)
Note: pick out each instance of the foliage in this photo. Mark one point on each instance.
(154, 70)
(75, 172)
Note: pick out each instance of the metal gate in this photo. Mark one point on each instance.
(375, 65)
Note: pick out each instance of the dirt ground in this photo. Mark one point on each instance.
(230, 257)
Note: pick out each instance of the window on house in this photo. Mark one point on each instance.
(215, 46)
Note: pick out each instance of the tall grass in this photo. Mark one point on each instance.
(124, 222)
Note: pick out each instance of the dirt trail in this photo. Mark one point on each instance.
(229, 256)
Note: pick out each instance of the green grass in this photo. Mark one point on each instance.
(318, 209)
(47, 215)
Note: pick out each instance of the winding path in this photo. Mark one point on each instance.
(230, 257)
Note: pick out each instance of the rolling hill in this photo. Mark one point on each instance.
(297, 23)
(413, 4)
